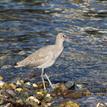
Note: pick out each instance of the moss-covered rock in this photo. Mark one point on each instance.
(69, 104)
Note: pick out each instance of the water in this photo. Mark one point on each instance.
(27, 26)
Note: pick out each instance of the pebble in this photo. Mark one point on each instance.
(101, 104)
(19, 82)
(34, 85)
(69, 104)
(1, 78)
(33, 101)
(6, 66)
(11, 92)
(1, 83)
(70, 85)
(19, 90)
(8, 105)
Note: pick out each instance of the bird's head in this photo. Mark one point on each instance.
(62, 37)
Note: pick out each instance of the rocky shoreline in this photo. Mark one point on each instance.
(21, 93)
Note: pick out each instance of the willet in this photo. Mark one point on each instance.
(45, 57)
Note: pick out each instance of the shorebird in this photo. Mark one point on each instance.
(45, 57)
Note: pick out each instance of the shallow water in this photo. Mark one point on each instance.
(27, 26)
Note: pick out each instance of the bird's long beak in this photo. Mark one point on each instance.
(67, 38)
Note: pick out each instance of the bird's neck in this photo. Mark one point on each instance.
(59, 43)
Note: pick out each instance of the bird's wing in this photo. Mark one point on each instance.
(37, 58)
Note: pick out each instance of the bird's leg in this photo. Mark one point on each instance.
(42, 76)
(49, 81)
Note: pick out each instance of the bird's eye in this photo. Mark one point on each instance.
(64, 36)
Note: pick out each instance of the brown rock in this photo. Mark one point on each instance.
(69, 104)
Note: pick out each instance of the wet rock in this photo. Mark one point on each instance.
(60, 86)
(6, 66)
(10, 93)
(70, 85)
(41, 94)
(47, 101)
(9, 86)
(19, 82)
(48, 98)
(2, 84)
(92, 101)
(3, 59)
(69, 104)
(1, 100)
(27, 85)
(1, 78)
(12, 85)
(63, 91)
(100, 104)
(34, 85)
(33, 101)
(91, 30)
(8, 105)
(76, 94)
(79, 86)
(19, 90)
(40, 85)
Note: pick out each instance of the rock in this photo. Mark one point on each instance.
(3, 59)
(19, 90)
(69, 104)
(1, 84)
(48, 98)
(63, 90)
(1, 78)
(100, 104)
(40, 93)
(1, 100)
(8, 105)
(40, 85)
(76, 94)
(6, 66)
(19, 82)
(70, 85)
(28, 85)
(79, 86)
(61, 87)
(12, 85)
(9, 86)
(33, 101)
(34, 85)
(10, 93)
(93, 101)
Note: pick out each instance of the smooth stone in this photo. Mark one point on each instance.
(70, 84)
(1, 83)
(6, 66)
(11, 92)
(100, 104)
